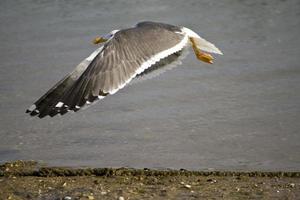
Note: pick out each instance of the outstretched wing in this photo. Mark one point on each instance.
(127, 54)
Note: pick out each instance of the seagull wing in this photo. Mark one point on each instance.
(128, 53)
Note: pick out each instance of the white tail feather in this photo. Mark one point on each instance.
(204, 45)
(201, 43)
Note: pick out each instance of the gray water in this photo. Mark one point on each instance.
(242, 113)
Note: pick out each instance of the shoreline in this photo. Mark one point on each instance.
(31, 180)
(33, 168)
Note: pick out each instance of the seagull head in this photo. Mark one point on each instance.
(105, 38)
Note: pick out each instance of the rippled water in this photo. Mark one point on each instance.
(243, 112)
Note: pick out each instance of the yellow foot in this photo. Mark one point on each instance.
(205, 57)
(98, 40)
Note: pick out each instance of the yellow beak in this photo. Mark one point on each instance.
(98, 40)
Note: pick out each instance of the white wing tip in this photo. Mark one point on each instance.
(59, 104)
(31, 108)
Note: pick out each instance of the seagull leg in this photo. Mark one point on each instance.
(99, 40)
(205, 57)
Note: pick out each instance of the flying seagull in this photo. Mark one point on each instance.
(123, 56)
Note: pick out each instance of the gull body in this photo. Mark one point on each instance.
(123, 55)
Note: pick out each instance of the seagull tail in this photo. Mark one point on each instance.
(50, 103)
(206, 46)
(200, 42)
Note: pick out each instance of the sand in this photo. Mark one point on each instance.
(30, 180)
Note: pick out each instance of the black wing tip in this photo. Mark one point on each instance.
(43, 115)
(61, 108)
(34, 112)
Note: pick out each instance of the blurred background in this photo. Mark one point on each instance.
(242, 113)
